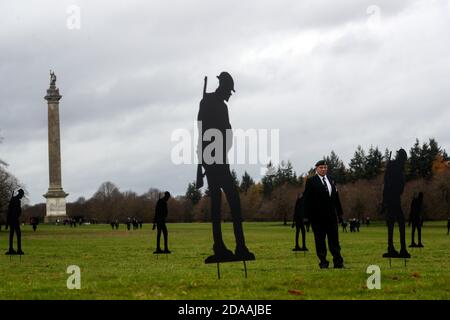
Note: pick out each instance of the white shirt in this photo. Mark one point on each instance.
(327, 181)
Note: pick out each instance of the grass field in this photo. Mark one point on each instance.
(119, 264)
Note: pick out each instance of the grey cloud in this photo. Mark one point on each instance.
(134, 72)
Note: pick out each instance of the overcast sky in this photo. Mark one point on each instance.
(330, 75)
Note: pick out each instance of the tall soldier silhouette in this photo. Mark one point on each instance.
(394, 183)
(299, 215)
(160, 223)
(213, 120)
(415, 217)
(14, 212)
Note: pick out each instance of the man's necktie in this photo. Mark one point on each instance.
(326, 186)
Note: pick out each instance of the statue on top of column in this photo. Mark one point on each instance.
(52, 78)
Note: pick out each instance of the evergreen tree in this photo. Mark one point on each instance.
(373, 163)
(246, 182)
(358, 164)
(235, 178)
(285, 174)
(414, 161)
(424, 169)
(193, 194)
(268, 180)
(336, 168)
(421, 158)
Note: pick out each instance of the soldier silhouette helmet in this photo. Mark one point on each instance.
(401, 155)
(226, 81)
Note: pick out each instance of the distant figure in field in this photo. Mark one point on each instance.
(357, 224)
(344, 225)
(135, 224)
(34, 223)
(299, 214)
(14, 212)
(448, 226)
(394, 183)
(323, 209)
(415, 218)
(367, 221)
(116, 224)
(212, 153)
(140, 223)
(113, 225)
(159, 222)
(352, 225)
(128, 223)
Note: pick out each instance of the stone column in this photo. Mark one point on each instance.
(56, 197)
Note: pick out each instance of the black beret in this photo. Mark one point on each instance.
(321, 163)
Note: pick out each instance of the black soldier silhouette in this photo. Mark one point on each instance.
(394, 183)
(213, 117)
(323, 208)
(415, 218)
(448, 226)
(298, 222)
(159, 222)
(14, 212)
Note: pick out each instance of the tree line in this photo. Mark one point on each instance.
(360, 185)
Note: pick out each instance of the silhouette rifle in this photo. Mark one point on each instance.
(200, 174)
(383, 205)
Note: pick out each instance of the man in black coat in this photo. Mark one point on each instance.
(160, 223)
(394, 183)
(14, 212)
(299, 215)
(415, 218)
(323, 208)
